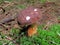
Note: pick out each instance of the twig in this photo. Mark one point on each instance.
(47, 25)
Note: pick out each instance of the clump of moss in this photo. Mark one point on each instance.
(44, 37)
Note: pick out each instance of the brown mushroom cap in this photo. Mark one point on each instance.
(29, 16)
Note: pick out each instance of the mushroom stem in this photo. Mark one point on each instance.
(32, 30)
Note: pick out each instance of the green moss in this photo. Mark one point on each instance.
(44, 37)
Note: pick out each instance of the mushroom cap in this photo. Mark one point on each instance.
(29, 16)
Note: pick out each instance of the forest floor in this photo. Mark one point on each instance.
(10, 30)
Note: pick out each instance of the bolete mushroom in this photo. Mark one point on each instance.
(29, 16)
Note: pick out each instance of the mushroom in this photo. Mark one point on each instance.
(29, 16)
